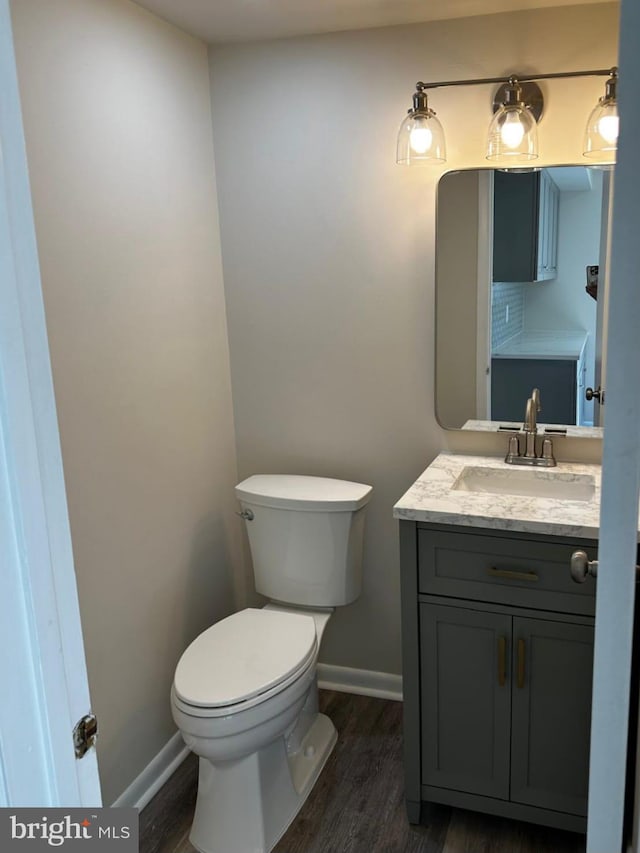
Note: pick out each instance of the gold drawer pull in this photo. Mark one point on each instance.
(521, 656)
(502, 661)
(511, 575)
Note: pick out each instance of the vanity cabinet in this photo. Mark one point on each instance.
(506, 706)
(498, 653)
(525, 227)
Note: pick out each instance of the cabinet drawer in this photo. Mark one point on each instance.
(518, 571)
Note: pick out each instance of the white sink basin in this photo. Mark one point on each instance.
(533, 483)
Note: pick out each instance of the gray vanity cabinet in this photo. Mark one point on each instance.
(497, 650)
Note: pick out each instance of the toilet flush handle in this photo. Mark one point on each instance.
(246, 514)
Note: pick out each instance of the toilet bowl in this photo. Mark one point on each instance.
(254, 723)
(245, 694)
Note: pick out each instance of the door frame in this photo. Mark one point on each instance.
(620, 476)
(602, 309)
(45, 673)
(484, 292)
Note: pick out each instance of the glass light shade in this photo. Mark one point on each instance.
(420, 139)
(601, 134)
(513, 135)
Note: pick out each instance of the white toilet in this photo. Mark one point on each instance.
(244, 694)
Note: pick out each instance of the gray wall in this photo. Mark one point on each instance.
(117, 116)
(328, 252)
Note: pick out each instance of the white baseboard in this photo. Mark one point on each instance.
(155, 774)
(363, 682)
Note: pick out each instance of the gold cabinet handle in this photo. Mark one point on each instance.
(502, 661)
(512, 575)
(522, 649)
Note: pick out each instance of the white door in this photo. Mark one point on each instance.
(620, 474)
(42, 666)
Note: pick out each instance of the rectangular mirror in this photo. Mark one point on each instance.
(520, 274)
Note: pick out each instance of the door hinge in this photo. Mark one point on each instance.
(85, 734)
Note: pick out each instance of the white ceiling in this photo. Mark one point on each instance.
(220, 21)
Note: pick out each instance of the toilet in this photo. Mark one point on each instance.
(244, 694)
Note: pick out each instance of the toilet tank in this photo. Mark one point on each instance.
(306, 536)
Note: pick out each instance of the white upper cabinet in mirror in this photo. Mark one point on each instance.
(518, 255)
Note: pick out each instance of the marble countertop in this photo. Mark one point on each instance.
(431, 498)
(552, 344)
(571, 430)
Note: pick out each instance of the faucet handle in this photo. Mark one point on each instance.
(513, 451)
(547, 452)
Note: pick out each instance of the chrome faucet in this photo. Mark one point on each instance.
(530, 431)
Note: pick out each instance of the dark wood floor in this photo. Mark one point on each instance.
(357, 804)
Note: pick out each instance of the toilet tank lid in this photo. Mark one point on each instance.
(294, 491)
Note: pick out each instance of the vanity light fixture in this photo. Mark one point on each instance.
(421, 137)
(601, 134)
(512, 137)
(513, 132)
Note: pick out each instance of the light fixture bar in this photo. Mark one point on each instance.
(523, 78)
(517, 107)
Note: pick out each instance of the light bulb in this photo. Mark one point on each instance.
(608, 128)
(512, 131)
(420, 138)
(603, 124)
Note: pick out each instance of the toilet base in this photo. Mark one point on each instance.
(246, 806)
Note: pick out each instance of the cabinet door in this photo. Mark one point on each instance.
(515, 225)
(554, 213)
(513, 378)
(551, 714)
(547, 229)
(544, 232)
(466, 699)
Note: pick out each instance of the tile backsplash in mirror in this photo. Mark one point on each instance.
(507, 312)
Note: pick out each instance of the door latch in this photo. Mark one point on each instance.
(582, 567)
(598, 394)
(85, 734)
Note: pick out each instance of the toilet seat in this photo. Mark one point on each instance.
(243, 660)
